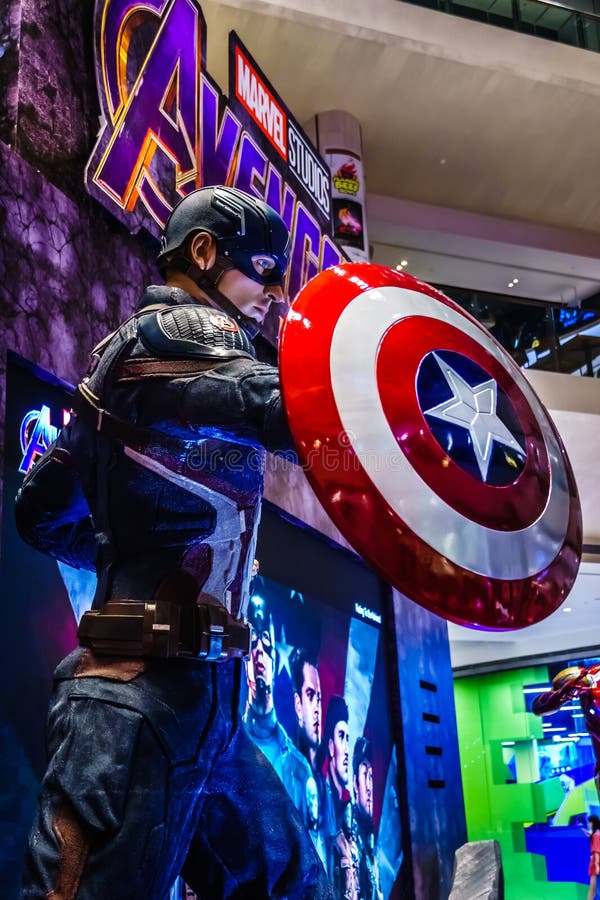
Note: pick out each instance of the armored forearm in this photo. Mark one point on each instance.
(243, 395)
(567, 684)
(550, 701)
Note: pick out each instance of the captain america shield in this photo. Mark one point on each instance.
(429, 449)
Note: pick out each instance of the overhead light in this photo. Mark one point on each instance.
(508, 743)
(399, 267)
(510, 284)
(515, 280)
(403, 262)
(567, 609)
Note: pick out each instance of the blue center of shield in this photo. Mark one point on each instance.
(471, 417)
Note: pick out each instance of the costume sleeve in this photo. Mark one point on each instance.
(244, 395)
(550, 701)
(51, 511)
(595, 842)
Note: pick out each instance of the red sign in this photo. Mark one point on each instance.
(260, 103)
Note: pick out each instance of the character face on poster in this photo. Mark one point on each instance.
(308, 707)
(363, 786)
(329, 658)
(338, 753)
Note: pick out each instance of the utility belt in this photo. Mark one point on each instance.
(164, 629)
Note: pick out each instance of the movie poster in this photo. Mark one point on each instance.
(316, 692)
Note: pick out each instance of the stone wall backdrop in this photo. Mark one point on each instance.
(69, 272)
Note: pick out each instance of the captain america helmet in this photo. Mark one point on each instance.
(249, 234)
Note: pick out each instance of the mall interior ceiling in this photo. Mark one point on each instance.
(481, 160)
(475, 173)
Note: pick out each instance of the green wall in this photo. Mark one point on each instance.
(490, 709)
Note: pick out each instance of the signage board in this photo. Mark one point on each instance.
(167, 129)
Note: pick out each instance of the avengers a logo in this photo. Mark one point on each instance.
(450, 479)
(36, 433)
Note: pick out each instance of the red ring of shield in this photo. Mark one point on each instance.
(358, 509)
(505, 508)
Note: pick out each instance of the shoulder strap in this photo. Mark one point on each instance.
(88, 407)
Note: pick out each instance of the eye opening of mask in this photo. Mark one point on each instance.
(266, 268)
(263, 263)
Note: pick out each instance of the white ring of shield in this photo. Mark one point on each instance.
(477, 548)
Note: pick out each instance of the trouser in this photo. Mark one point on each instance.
(151, 774)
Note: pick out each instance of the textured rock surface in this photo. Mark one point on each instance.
(478, 872)
(10, 32)
(57, 101)
(69, 273)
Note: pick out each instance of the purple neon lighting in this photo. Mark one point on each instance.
(173, 130)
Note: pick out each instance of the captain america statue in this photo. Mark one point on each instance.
(156, 484)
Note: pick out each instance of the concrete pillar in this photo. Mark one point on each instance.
(337, 136)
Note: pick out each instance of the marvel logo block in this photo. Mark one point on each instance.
(259, 102)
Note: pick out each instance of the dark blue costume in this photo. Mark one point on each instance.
(157, 484)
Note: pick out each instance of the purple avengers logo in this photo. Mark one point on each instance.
(168, 129)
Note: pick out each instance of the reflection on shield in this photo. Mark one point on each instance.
(429, 449)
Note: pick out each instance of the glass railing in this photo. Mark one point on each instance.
(542, 18)
(554, 338)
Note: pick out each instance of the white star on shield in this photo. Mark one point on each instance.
(283, 651)
(474, 408)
